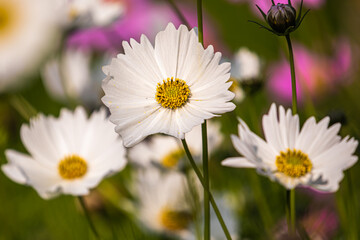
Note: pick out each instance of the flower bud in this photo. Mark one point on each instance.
(281, 16)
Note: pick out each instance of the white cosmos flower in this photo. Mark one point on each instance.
(168, 151)
(71, 76)
(167, 89)
(91, 12)
(28, 30)
(315, 156)
(164, 202)
(246, 65)
(68, 155)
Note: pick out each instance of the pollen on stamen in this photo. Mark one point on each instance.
(174, 220)
(172, 93)
(293, 163)
(72, 167)
(172, 158)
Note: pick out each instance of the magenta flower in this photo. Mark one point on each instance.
(140, 17)
(321, 224)
(315, 74)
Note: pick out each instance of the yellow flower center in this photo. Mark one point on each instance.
(174, 220)
(234, 85)
(172, 158)
(172, 93)
(7, 16)
(293, 163)
(72, 167)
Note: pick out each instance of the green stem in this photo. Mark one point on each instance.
(87, 215)
(178, 13)
(290, 211)
(206, 182)
(290, 195)
(202, 181)
(293, 78)
(204, 141)
(200, 22)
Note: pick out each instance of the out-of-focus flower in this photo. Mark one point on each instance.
(28, 30)
(315, 75)
(246, 65)
(246, 71)
(165, 202)
(321, 224)
(72, 77)
(167, 89)
(318, 224)
(168, 151)
(90, 12)
(315, 156)
(68, 155)
(140, 17)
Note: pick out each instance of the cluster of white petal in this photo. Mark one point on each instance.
(159, 146)
(158, 191)
(70, 77)
(48, 140)
(329, 154)
(246, 65)
(132, 78)
(29, 30)
(90, 12)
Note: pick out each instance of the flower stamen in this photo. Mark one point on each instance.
(172, 93)
(172, 158)
(174, 220)
(72, 167)
(6, 16)
(293, 163)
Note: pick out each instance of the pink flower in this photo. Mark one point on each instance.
(315, 74)
(140, 17)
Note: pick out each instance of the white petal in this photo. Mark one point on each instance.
(238, 162)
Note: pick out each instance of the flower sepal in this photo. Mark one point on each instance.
(282, 18)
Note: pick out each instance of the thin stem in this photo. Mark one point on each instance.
(206, 182)
(202, 181)
(290, 195)
(178, 13)
(290, 210)
(87, 215)
(293, 78)
(204, 141)
(200, 21)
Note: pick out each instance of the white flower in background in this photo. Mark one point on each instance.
(168, 151)
(72, 76)
(315, 156)
(164, 202)
(245, 72)
(28, 31)
(246, 65)
(167, 89)
(91, 12)
(68, 155)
